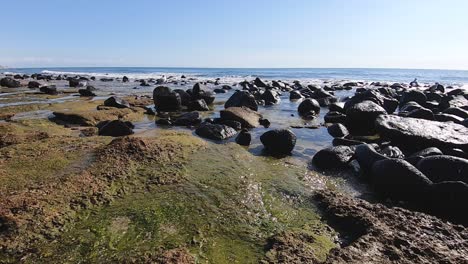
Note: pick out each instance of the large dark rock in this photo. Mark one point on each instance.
(448, 199)
(366, 156)
(323, 102)
(398, 179)
(441, 168)
(188, 119)
(338, 130)
(360, 118)
(337, 107)
(295, 95)
(388, 103)
(427, 152)
(198, 105)
(52, 90)
(392, 152)
(185, 97)
(415, 96)
(457, 111)
(198, 88)
(73, 82)
(219, 91)
(333, 157)
(89, 91)
(234, 124)
(34, 84)
(259, 83)
(437, 88)
(421, 113)
(244, 138)
(270, 97)
(247, 117)
(166, 100)
(309, 107)
(419, 133)
(114, 101)
(125, 79)
(115, 128)
(410, 106)
(448, 118)
(9, 82)
(334, 117)
(454, 101)
(199, 92)
(278, 141)
(215, 131)
(242, 98)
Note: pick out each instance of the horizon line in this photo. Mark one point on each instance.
(191, 67)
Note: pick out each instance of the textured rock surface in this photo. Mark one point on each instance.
(247, 117)
(419, 133)
(378, 234)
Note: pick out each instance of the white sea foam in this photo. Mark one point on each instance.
(155, 75)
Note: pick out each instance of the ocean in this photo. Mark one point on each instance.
(228, 75)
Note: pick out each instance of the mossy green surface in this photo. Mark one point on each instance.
(224, 206)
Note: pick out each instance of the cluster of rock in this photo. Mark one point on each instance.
(240, 114)
(409, 144)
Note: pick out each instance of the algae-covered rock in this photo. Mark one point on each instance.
(93, 117)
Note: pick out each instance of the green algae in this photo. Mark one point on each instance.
(38, 162)
(223, 208)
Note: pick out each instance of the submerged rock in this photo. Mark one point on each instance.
(295, 95)
(309, 107)
(270, 97)
(215, 131)
(419, 133)
(198, 105)
(278, 141)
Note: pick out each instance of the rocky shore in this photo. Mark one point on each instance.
(202, 171)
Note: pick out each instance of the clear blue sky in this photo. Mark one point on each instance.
(237, 33)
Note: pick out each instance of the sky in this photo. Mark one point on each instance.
(235, 33)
